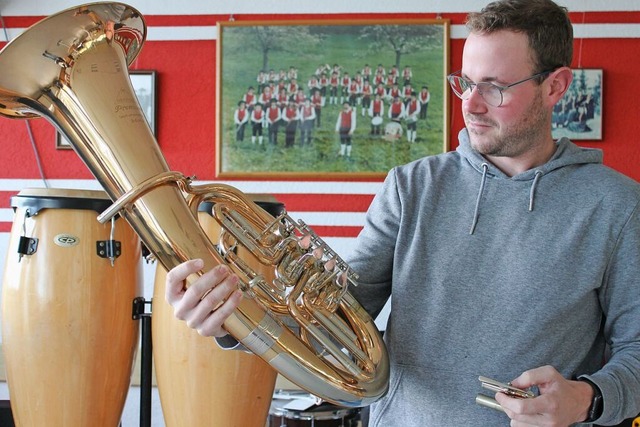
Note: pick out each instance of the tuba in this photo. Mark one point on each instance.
(71, 68)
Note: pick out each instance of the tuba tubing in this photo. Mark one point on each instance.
(71, 69)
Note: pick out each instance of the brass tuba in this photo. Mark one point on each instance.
(71, 68)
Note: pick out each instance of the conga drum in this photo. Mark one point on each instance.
(69, 338)
(199, 383)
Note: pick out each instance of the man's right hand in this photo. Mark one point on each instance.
(208, 301)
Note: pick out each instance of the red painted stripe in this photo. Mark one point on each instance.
(455, 18)
(5, 227)
(5, 198)
(325, 202)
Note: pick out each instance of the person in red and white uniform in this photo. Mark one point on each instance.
(412, 111)
(273, 117)
(299, 98)
(307, 116)
(250, 98)
(354, 92)
(366, 93)
(376, 109)
(257, 123)
(345, 81)
(265, 96)
(283, 99)
(346, 126)
(292, 73)
(324, 83)
(396, 110)
(406, 93)
(262, 80)
(334, 84)
(367, 72)
(393, 92)
(318, 102)
(407, 75)
(424, 96)
(313, 84)
(240, 119)
(290, 116)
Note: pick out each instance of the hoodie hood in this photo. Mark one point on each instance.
(567, 153)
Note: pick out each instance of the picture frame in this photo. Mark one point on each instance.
(578, 115)
(258, 55)
(144, 86)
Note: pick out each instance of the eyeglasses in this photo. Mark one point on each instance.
(490, 92)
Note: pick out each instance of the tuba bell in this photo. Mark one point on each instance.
(71, 68)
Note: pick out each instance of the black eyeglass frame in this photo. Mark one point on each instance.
(501, 89)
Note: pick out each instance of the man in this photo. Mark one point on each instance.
(397, 111)
(257, 122)
(290, 116)
(424, 97)
(273, 116)
(412, 110)
(345, 126)
(515, 257)
(376, 109)
(307, 116)
(240, 119)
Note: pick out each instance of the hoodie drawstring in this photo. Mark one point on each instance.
(533, 189)
(485, 168)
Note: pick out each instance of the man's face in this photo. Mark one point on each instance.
(503, 57)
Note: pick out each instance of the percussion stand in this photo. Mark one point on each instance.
(139, 305)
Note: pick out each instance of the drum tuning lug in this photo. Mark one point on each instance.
(108, 249)
(27, 246)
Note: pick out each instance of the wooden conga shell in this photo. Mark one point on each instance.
(199, 383)
(68, 335)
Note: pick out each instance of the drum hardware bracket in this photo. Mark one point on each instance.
(109, 249)
(27, 246)
(139, 306)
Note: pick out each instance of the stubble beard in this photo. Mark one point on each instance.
(513, 140)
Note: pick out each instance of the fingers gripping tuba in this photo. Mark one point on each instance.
(71, 68)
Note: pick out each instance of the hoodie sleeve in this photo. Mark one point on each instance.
(372, 257)
(619, 378)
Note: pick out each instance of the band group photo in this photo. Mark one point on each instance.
(357, 110)
(280, 104)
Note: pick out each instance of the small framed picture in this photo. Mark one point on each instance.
(578, 115)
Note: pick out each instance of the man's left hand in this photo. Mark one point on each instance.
(561, 402)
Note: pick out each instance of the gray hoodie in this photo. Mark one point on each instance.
(494, 275)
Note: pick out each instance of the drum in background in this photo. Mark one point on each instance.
(69, 338)
(392, 131)
(376, 121)
(293, 408)
(199, 383)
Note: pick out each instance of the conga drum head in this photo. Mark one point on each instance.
(297, 408)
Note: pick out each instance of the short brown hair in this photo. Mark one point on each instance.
(546, 25)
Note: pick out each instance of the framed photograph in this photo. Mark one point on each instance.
(144, 85)
(578, 115)
(326, 98)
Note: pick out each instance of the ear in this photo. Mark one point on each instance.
(558, 83)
